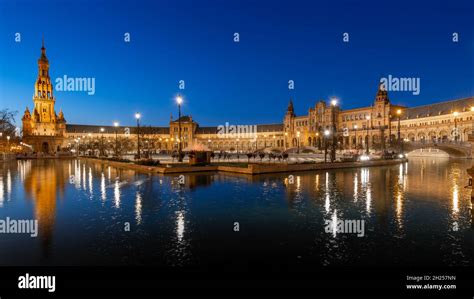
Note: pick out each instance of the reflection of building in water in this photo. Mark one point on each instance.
(42, 183)
(197, 180)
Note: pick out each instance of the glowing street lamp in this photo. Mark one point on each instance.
(367, 140)
(456, 114)
(137, 116)
(326, 135)
(179, 101)
(298, 136)
(101, 141)
(334, 137)
(116, 124)
(355, 136)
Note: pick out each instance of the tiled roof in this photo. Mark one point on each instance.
(206, 130)
(435, 109)
(85, 129)
(270, 128)
(184, 118)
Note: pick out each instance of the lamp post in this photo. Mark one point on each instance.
(367, 140)
(137, 116)
(116, 124)
(399, 114)
(179, 101)
(101, 152)
(333, 120)
(318, 142)
(286, 136)
(455, 113)
(8, 143)
(472, 127)
(298, 136)
(326, 134)
(355, 136)
(390, 130)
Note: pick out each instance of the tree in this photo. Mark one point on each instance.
(8, 128)
(7, 123)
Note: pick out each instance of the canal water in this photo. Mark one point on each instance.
(417, 213)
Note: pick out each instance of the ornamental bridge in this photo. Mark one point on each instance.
(453, 149)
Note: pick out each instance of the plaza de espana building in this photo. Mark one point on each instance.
(377, 124)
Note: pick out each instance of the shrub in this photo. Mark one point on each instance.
(117, 159)
(149, 162)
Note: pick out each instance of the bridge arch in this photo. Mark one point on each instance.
(454, 150)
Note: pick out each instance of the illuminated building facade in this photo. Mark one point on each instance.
(376, 126)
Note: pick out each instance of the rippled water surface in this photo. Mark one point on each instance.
(417, 213)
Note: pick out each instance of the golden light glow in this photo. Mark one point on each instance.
(399, 111)
(455, 113)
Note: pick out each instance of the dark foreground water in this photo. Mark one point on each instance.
(418, 213)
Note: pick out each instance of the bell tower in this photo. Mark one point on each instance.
(43, 129)
(43, 97)
(288, 123)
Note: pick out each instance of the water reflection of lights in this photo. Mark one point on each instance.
(90, 181)
(399, 208)
(9, 184)
(103, 192)
(364, 176)
(356, 187)
(316, 187)
(2, 196)
(334, 223)
(455, 199)
(180, 225)
(327, 203)
(117, 194)
(84, 177)
(24, 167)
(138, 207)
(368, 199)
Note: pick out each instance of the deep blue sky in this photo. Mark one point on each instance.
(240, 83)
